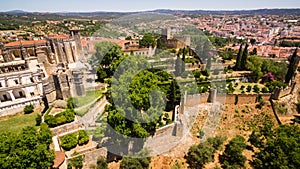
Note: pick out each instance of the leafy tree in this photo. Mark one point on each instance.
(217, 141)
(25, 150)
(277, 148)
(106, 53)
(101, 74)
(289, 44)
(147, 41)
(227, 54)
(199, 155)
(140, 160)
(134, 104)
(260, 67)
(233, 157)
(45, 135)
(294, 61)
(252, 41)
(255, 64)
(254, 52)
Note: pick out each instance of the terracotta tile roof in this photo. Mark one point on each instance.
(83, 42)
(122, 42)
(19, 43)
(40, 51)
(135, 48)
(62, 36)
(59, 159)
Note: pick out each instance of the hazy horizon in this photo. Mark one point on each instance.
(144, 10)
(137, 5)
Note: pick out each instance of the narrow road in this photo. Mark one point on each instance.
(89, 119)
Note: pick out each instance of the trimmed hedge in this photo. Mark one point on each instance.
(64, 117)
(28, 109)
(70, 141)
(83, 137)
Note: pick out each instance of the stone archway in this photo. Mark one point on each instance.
(31, 52)
(5, 96)
(19, 93)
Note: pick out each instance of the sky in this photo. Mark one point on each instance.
(140, 5)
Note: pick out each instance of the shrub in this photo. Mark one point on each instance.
(76, 162)
(230, 88)
(242, 87)
(38, 120)
(249, 88)
(264, 90)
(83, 137)
(197, 73)
(71, 103)
(28, 109)
(261, 104)
(64, 117)
(69, 141)
(256, 89)
(236, 99)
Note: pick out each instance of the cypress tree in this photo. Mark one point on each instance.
(244, 58)
(208, 65)
(239, 58)
(178, 66)
(292, 67)
(183, 59)
(205, 54)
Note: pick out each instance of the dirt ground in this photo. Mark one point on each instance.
(236, 120)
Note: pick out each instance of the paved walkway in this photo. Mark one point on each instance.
(89, 119)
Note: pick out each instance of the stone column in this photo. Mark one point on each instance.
(27, 94)
(20, 80)
(6, 81)
(213, 95)
(11, 95)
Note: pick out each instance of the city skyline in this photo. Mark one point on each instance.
(134, 5)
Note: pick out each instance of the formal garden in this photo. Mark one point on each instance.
(70, 141)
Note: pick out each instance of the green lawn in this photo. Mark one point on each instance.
(15, 124)
(88, 98)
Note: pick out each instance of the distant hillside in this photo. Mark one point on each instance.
(15, 12)
(105, 14)
(222, 12)
(201, 12)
